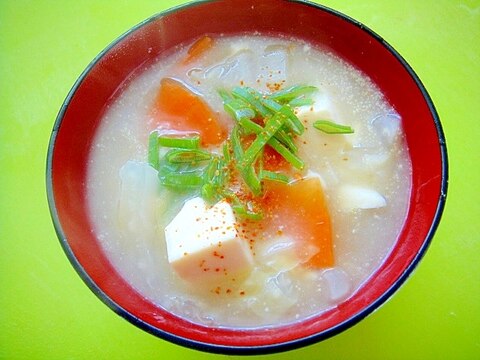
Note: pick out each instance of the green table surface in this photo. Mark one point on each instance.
(47, 312)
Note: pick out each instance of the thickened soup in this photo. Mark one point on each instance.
(248, 181)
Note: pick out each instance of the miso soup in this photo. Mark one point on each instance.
(248, 181)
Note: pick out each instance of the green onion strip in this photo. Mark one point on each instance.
(190, 142)
(272, 125)
(248, 173)
(274, 176)
(177, 156)
(254, 99)
(300, 101)
(293, 92)
(330, 127)
(182, 181)
(153, 150)
(281, 142)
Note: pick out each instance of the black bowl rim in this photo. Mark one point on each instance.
(270, 348)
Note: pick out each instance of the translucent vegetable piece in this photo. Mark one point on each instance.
(273, 66)
(238, 68)
(387, 127)
(138, 191)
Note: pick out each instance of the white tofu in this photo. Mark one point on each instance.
(353, 197)
(322, 108)
(203, 242)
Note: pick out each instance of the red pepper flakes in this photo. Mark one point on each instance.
(275, 86)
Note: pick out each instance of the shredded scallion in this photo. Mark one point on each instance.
(300, 101)
(292, 121)
(153, 150)
(181, 142)
(274, 176)
(251, 97)
(236, 144)
(226, 152)
(191, 156)
(330, 127)
(286, 154)
(291, 93)
(242, 211)
(272, 125)
(240, 208)
(238, 109)
(182, 181)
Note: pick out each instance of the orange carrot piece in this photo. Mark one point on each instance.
(301, 211)
(273, 161)
(198, 48)
(179, 108)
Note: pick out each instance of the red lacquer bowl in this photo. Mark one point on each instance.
(82, 111)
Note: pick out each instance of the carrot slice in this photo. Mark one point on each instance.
(179, 108)
(273, 161)
(198, 48)
(300, 210)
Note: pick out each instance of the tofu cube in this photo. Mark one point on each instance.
(324, 108)
(203, 242)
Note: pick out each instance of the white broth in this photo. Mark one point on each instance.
(365, 176)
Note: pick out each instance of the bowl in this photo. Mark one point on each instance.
(82, 111)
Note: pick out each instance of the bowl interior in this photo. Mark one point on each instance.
(103, 79)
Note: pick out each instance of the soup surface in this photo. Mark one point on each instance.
(312, 235)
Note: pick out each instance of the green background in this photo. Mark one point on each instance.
(47, 312)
